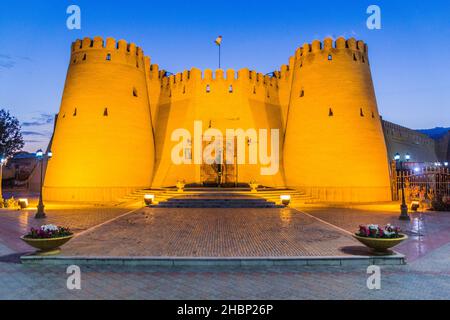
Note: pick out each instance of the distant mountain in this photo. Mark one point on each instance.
(435, 133)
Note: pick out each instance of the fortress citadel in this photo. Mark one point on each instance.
(113, 132)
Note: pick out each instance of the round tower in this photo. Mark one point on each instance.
(103, 144)
(334, 144)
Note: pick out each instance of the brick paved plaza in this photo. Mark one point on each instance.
(426, 276)
(183, 232)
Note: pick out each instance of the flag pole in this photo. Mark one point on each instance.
(219, 44)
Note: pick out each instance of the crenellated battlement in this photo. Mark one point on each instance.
(110, 44)
(211, 82)
(347, 49)
(329, 44)
(218, 76)
(97, 49)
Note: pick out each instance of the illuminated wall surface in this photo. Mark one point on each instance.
(113, 133)
(334, 145)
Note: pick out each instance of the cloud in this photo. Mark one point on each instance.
(33, 133)
(8, 62)
(41, 120)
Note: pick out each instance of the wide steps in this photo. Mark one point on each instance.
(200, 202)
(272, 195)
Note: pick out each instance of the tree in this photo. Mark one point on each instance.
(11, 139)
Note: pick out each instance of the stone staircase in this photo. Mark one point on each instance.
(220, 197)
(209, 201)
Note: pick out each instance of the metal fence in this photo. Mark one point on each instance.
(421, 182)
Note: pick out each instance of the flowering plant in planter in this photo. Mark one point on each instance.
(48, 231)
(374, 231)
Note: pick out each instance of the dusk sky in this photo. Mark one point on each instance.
(410, 55)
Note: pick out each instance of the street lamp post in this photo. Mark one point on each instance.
(403, 207)
(2, 163)
(40, 208)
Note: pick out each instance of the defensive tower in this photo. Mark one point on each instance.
(103, 143)
(334, 144)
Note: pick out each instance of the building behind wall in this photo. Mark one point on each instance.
(419, 144)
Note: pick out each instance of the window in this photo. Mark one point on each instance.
(230, 89)
(254, 90)
(105, 112)
(363, 59)
(354, 57)
(208, 88)
(373, 114)
(184, 89)
(74, 61)
(137, 64)
(84, 57)
(135, 93)
(187, 153)
(302, 93)
(108, 57)
(361, 112)
(330, 57)
(330, 112)
(75, 112)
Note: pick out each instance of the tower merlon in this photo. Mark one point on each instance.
(110, 44)
(328, 44)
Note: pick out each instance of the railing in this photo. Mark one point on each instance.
(421, 182)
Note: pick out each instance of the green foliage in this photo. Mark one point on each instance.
(11, 139)
(440, 205)
(10, 203)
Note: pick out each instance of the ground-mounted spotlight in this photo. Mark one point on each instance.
(416, 170)
(285, 199)
(149, 199)
(23, 203)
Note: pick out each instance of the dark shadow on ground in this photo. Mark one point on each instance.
(12, 258)
(357, 250)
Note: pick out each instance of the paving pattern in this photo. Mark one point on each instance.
(427, 231)
(427, 275)
(177, 232)
(427, 278)
(15, 223)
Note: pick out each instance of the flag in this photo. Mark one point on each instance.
(218, 41)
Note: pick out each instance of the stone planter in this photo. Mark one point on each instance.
(380, 246)
(47, 247)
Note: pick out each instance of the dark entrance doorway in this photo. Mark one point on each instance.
(219, 173)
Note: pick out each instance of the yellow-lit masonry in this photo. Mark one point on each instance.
(118, 112)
